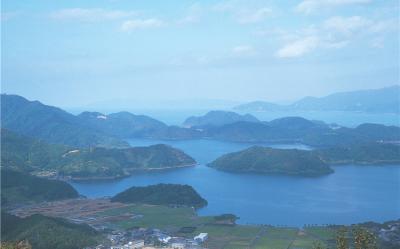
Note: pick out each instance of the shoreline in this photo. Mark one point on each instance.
(129, 173)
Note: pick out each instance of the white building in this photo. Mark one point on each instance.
(164, 238)
(201, 237)
(136, 244)
(178, 245)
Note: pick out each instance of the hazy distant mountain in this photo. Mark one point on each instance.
(383, 100)
(217, 118)
(297, 129)
(121, 124)
(173, 104)
(259, 106)
(52, 124)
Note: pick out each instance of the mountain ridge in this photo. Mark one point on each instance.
(382, 100)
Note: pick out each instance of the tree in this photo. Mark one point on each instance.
(318, 245)
(341, 240)
(364, 239)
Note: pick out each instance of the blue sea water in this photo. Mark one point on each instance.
(352, 194)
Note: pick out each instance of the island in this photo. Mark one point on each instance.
(361, 154)
(162, 194)
(258, 159)
(264, 160)
(218, 118)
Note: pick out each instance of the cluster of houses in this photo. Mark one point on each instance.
(143, 238)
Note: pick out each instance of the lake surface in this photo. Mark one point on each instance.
(352, 194)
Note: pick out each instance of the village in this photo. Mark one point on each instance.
(93, 212)
(150, 238)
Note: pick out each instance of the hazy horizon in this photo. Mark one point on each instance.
(77, 53)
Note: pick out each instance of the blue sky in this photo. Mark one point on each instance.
(73, 53)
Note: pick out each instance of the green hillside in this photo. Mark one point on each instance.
(162, 194)
(32, 155)
(264, 160)
(54, 125)
(17, 188)
(47, 233)
(371, 153)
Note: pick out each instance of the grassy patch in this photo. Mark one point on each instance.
(276, 238)
(156, 216)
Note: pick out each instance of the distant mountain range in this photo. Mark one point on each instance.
(32, 118)
(88, 129)
(383, 100)
(93, 129)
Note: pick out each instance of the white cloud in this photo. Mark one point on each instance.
(298, 47)
(243, 50)
(309, 6)
(243, 11)
(141, 24)
(346, 25)
(193, 14)
(5, 16)
(254, 16)
(384, 26)
(90, 15)
(378, 42)
(333, 33)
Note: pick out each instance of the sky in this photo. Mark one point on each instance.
(73, 53)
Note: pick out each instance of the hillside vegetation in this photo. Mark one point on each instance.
(372, 153)
(266, 160)
(272, 161)
(32, 118)
(218, 118)
(47, 233)
(17, 188)
(162, 194)
(32, 155)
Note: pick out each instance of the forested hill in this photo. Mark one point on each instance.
(218, 118)
(32, 155)
(51, 124)
(17, 188)
(162, 194)
(264, 160)
(93, 129)
(43, 232)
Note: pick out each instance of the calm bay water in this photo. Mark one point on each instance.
(352, 194)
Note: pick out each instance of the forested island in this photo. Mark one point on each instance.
(266, 160)
(162, 194)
